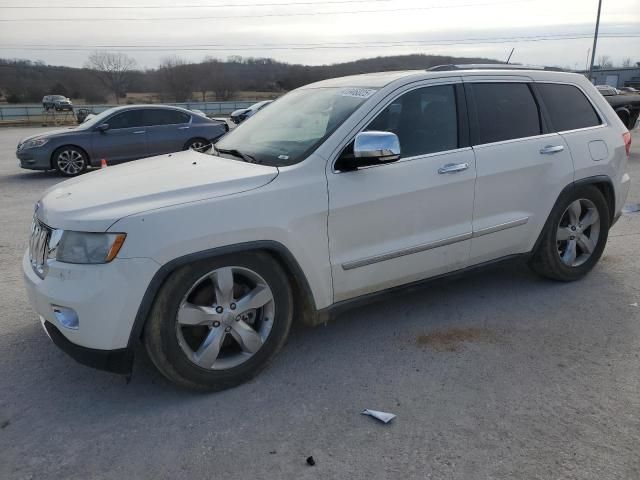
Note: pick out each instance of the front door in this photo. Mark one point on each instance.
(124, 140)
(404, 221)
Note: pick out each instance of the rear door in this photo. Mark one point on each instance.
(167, 130)
(522, 167)
(124, 140)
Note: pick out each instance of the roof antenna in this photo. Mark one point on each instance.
(509, 58)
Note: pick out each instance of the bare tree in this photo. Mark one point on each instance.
(177, 78)
(626, 62)
(113, 69)
(605, 61)
(220, 79)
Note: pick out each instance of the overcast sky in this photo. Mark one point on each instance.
(315, 33)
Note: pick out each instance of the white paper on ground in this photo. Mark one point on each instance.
(385, 417)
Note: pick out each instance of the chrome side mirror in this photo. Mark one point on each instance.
(376, 147)
(370, 148)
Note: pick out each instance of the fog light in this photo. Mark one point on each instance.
(67, 317)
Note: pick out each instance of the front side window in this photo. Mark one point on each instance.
(425, 120)
(293, 126)
(505, 111)
(567, 106)
(130, 119)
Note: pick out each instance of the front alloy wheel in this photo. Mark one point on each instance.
(216, 323)
(225, 318)
(70, 161)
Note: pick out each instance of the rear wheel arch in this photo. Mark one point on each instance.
(304, 308)
(601, 182)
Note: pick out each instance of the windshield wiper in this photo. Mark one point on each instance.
(236, 153)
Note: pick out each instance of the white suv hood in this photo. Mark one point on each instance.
(94, 201)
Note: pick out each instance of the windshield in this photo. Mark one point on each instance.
(293, 126)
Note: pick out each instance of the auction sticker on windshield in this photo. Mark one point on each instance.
(358, 92)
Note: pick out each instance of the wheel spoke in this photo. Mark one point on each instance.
(223, 282)
(209, 350)
(586, 244)
(563, 234)
(590, 218)
(248, 339)
(190, 314)
(569, 256)
(256, 298)
(575, 210)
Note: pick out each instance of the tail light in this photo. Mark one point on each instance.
(626, 137)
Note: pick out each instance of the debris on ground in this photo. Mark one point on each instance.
(310, 461)
(384, 417)
(631, 207)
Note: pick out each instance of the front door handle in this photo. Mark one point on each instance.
(138, 132)
(551, 149)
(453, 168)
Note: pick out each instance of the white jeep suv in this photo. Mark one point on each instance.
(337, 192)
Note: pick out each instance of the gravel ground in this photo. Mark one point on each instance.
(495, 375)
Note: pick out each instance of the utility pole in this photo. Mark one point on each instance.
(595, 41)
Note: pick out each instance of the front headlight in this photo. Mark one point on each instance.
(84, 247)
(36, 142)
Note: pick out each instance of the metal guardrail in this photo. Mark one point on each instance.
(35, 112)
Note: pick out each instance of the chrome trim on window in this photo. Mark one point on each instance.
(500, 227)
(405, 251)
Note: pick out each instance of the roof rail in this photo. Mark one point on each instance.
(491, 66)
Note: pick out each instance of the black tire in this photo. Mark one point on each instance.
(546, 260)
(197, 144)
(79, 157)
(160, 333)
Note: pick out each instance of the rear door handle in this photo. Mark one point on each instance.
(183, 128)
(551, 149)
(453, 168)
(139, 132)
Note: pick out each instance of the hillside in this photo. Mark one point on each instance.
(177, 80)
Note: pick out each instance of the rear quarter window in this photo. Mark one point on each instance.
(505, 111)
(568, 107)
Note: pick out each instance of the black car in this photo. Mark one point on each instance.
(56, 102)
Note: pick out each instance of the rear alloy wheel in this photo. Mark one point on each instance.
(217, 323)
(70, 161)
(198, 144)
(575, 236)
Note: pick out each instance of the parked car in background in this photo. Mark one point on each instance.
(376, 182)
(118, 135)
(625, 104)
(239, 116)
(629, 90)
(56, 102)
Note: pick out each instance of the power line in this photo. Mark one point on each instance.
(264, 15)
(167, 7)
(259, 47)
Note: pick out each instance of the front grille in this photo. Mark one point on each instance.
(39, 246)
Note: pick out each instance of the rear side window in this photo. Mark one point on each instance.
(158, 116)
(505, 111)
(567, 106)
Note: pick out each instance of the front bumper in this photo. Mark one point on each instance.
(105, 298)
(38, 158)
